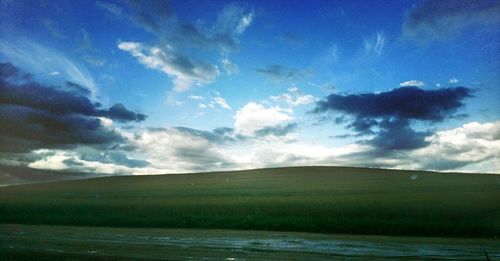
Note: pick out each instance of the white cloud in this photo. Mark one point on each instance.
(374, 47)
(184, 72)
(229, 67)
(294, 97)
(469, 144)
(254, 116)
(53, 161)
(234, 19)
(454, 80)
(221, 102)
(415, 83)
(172, 150)
(244, 23)
(196, 97)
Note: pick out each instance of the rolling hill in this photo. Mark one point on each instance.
(309, 199)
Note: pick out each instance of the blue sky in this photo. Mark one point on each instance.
(181, 86)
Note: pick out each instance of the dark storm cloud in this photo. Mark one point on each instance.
(387, 115)
(120, 113)
(34, 116)
(8, 70)
(405, 103)
(279, 73)
(76, 88)
(437, 19)
(55, 100)
(398, 135)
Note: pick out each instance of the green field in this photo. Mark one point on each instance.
(309, 199)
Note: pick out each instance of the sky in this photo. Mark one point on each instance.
(150, 87)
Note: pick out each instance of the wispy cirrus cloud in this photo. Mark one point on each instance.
(41, 61)
(184, 71)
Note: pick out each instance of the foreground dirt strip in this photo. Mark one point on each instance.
(96, 243)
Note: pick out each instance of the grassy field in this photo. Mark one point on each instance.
(309, 199)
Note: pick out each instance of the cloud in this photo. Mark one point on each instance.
(185, 72)
(431, 20)
(76, 88)
(120, 113)
(176, 38)
(110, 157)
(196, 97)
(471, 143)
(182, 150)
(415, 83)
(372, 48)
(7, 70)
(254, 116)
(294, 97)
(453, 80)
(152, 16)
(38, 116)
(280, 130)
(221, 102)
(234, 19)
(282, 74)
(388, 115)
(113, 9)
(37, 59)
(229, 67)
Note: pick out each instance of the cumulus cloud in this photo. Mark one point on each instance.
(438, 19)
(255, 116)
(282, 74)
(453, 80)
(182, 150)
(388, 115)
(471, 143)
(415, 83)
(184, 71)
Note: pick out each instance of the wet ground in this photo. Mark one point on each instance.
(88, 243)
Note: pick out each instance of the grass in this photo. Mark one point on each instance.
(309, 199)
